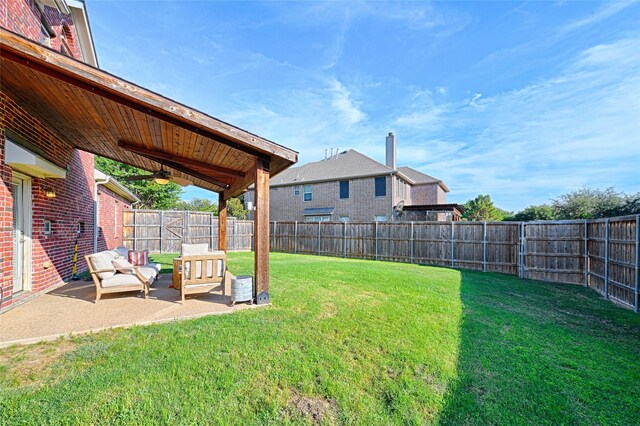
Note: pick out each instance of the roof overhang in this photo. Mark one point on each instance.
(103, 114)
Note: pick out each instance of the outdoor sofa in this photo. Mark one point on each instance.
(112, 273)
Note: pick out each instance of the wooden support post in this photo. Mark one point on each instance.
(261, 231)
(484, 247)
(606, 260)
(222, 223)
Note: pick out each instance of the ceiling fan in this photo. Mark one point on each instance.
(161, 177)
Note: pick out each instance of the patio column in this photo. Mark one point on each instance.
(222, 222)
(261, 231)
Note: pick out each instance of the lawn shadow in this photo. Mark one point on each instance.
(539, 353)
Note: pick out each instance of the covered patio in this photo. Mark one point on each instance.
(70, 310)
(97, 112)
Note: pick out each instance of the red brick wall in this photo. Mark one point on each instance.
(111, 209)
(52, 254)
(24, 17)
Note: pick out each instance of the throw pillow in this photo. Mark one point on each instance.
(139, 258)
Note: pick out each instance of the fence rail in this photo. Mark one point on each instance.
(602, 254)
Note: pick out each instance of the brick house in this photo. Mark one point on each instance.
(349, 186)
(50, 194)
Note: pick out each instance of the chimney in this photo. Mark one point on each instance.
(391, 151)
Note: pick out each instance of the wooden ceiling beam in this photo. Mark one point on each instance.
(198, 166)
(188, 171)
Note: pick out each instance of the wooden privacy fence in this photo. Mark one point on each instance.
(165, 231)
(602, 254)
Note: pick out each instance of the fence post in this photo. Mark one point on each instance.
(234, 239)
(295, 237)
(411, 260)
(635, 303)
(135, 230)
(319, 237)
(606, 260)
(375, 225)
(452, 245)
(344, 243)
(211, 230)
(161, 228)
(185, 227)
(275, 239)
(521, 248)
(586, 253)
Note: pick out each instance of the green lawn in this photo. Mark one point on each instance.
(349, 341)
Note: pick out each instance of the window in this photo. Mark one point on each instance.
(80, 228)
(381, 186)
(45, 38)
(317, 218)
(48, 229)
(307, 193)
(296, 190)
(344, 218)
(344, 189)
(380, 218)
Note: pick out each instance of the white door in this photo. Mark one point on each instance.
(17, 191)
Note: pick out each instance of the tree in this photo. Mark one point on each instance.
(588, 203)
(152, 195)
(198, 205)
(235, 208)
(542, 212)
(481, 208)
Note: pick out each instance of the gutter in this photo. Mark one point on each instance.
(95, 210)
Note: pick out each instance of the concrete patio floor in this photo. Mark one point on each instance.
(70, 310)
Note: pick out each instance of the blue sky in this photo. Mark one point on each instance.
(523, 101)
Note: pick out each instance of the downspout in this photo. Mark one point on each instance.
(95, 210)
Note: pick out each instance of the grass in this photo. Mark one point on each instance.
(349, 341)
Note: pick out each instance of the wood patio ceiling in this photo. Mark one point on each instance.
(105, 115)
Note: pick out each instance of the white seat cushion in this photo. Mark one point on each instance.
(102, 260)
(149, 272)
(194, 249)
(121, 280)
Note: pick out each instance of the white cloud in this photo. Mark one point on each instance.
(343, 104)
(580, 127)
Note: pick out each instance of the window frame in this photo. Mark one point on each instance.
(344, 189)
(305, 193)
(296, 190)
(376, 186)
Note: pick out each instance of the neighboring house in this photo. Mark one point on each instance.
(47, 188)
(352, 187)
